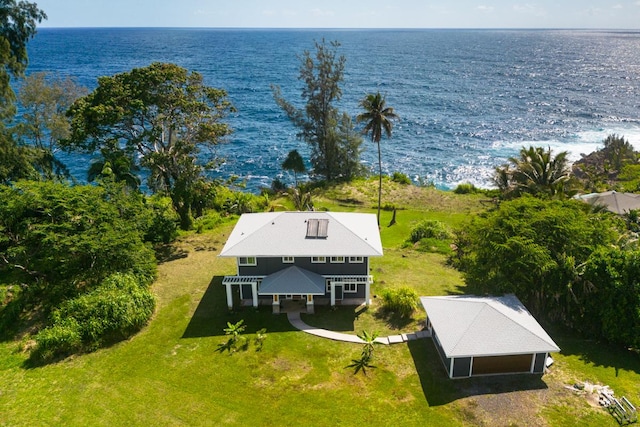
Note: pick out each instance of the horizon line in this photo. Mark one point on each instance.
(349, 28)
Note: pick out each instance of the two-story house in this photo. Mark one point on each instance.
(316, 256)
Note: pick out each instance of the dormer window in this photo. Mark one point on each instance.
(318, 260)
(288, 260)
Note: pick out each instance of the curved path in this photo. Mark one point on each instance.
(296, 322)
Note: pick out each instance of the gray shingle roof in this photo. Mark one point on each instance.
(285, 234)
(293, 280)
(485, 326)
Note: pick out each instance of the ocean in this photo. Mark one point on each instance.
(467, 99)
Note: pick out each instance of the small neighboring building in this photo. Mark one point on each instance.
(619, 203)
(486, 335)
(315, 256)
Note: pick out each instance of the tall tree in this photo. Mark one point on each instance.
(378, 120)
(18, 20)
(294, 163)
(164, 115)
(319, 121)
(538, 172)
(44, 101)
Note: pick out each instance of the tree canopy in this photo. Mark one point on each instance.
(334, 144)
(43, 101)
(538, 172)
(18, 20)
(161, 113)
(533, 248)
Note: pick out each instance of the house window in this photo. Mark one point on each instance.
(356, 259)
(318, 259)
(244, 261)
(351, 287)
(328, 284)
(337, 259)
(288, 260)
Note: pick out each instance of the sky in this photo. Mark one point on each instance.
(605, 14)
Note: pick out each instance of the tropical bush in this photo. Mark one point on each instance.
(465, 188)
(115, 310)
(430, 229)
(401, 301)
(400, 178)
(535, 248)
(611, 304)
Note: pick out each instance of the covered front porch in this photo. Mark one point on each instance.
(295, 285)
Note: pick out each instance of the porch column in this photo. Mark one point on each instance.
(333, 294)
(254, 293)
(229, 296)
(275, 305)
(367, 292)
(310, 304)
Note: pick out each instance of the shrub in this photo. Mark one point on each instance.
(60, 339)
(163, 227)
(466, 188)
(400, 178)
(115, 310)
(208, 222)
(401, 301)
(430, 229)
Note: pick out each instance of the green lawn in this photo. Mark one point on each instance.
(171, 374)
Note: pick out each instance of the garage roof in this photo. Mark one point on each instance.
(485, 326)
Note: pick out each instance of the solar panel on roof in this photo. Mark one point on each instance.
(323, 228)
(317, 228)
(312, 228)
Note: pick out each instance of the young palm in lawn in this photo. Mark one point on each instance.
(378, 118)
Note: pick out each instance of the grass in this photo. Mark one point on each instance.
(171, 374)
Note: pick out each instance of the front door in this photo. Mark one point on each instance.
(339, 292)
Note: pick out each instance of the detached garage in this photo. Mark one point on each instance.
(486, 335)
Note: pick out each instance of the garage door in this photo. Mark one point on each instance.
(501, 364)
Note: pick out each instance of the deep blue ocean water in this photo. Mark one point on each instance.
(468, 99)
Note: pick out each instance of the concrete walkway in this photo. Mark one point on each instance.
(296, 322)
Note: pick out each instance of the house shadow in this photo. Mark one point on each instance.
(439, 389)
(337, 318)
(212, 314)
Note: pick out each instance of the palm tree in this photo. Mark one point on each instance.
(378, 120)
(295, 163)
(537, 171)
(117, 165)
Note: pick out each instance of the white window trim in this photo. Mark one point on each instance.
(318, 260)
(288, 260)
(356, 260)
(250, 261)
(337, 260)
(350, 287)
